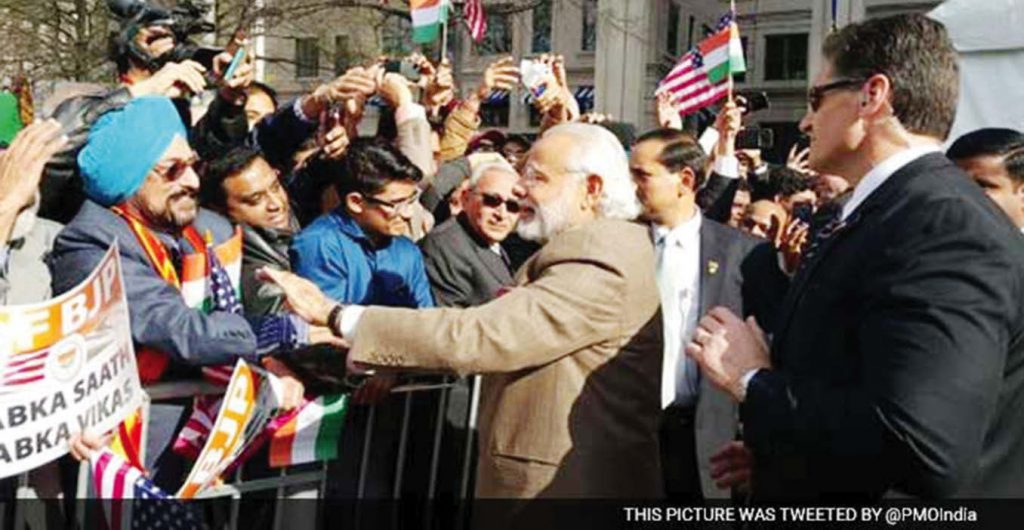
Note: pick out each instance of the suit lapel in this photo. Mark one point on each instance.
(712, 272)
(880, 199)
(493, 263)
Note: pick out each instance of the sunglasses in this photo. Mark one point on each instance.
(491, 200)
(816, 94)
(177, 168)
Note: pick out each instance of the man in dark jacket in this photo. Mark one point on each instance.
(244, 187)
(465, 262)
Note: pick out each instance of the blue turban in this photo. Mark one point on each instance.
(124, 145)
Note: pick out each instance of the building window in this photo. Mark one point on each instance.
(589, 42)
(498, 39)
(542, 27)
(396, 36)
(342, 55)
(307, 57)
(672, 39)
(742, 76)
(494, 114)
(785, 57)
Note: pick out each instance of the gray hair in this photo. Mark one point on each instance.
(596, 151)
(486, 167)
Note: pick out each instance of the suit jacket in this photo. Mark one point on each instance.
(898, 360)
(159, 317)
(463, 271)
(572, 361)
(715, 197)
(741, 273)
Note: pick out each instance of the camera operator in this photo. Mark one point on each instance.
(154, 56)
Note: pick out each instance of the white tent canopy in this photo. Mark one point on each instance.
(990, 42)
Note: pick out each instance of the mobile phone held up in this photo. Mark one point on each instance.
(533, 75)
(404, 68)
(236, 61)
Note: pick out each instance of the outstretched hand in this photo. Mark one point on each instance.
(303, 297)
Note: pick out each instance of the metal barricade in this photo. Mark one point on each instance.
(313, 483)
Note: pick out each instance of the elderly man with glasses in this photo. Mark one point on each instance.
(466, 263)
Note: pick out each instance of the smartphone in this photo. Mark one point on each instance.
(532, 74)
(754, 137)
(236, 61)
(403, 68)
(755, 101)
(803, 211)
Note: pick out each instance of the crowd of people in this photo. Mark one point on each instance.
(666, 317)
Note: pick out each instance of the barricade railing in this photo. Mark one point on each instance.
(308, 481)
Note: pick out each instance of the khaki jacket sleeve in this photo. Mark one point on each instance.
(414, 141)
(459, 128)
(572, 304)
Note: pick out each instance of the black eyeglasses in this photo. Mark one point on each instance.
(491, 200)
(395, 206)
(817, 93)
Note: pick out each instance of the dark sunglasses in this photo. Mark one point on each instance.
(817, 93)
(491, 200)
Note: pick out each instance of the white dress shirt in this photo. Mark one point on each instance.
(678, 274)
(867, 185)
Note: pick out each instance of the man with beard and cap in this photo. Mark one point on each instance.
(141, 188)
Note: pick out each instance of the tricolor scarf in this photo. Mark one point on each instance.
(209, 281)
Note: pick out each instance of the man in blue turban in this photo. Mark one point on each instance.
(142, 192)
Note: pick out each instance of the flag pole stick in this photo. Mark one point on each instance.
(732, 9)
(444, 39)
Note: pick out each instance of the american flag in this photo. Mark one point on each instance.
(688, 82)
(473, 12)
(24, 368)
(133, 501)
(193, 435)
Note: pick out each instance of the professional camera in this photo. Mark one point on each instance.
(184, 19)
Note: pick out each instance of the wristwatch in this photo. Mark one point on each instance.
(334, 320)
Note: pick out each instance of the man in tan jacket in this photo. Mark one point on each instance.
(572, 355)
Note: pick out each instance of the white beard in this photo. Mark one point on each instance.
(547, 221)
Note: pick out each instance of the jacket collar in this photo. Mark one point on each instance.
(351, 228)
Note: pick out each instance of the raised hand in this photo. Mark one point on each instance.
(797, 160)
(791, 243)
(394, 88)
(502, 74)
(21, 169)
(234, 89)
(174, 80)
(668, 114)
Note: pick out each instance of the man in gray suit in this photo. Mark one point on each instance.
(700, 264)
(464, 259)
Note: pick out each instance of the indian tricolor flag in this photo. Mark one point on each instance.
(723, 51)
(427, 17)
(311, 434)
(703, 76)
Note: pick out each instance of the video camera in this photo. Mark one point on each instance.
(185, 19)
